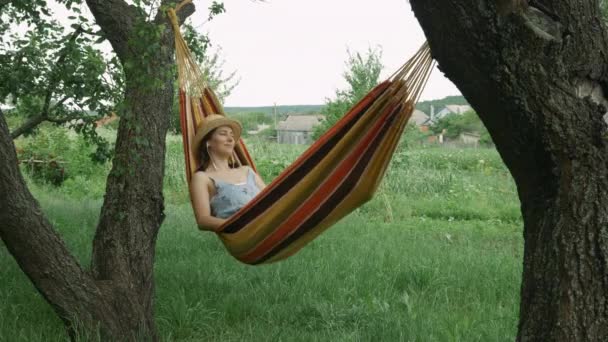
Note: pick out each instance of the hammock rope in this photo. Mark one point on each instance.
(335, 175)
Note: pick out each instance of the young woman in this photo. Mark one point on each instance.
(221, 186)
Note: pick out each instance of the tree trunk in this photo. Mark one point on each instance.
(116, 297)
(536, 74)
(131, 215)
(43, 256)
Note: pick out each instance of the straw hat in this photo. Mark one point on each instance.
(212, 122)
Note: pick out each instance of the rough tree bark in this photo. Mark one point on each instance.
(536, 73)
(116, 296)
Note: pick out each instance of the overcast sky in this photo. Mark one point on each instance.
(294, 52)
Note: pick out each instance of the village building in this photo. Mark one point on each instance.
(421, 120)
(297, 129)
(450, 109)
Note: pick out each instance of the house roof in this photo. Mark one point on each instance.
(419, 117)
(299, 123)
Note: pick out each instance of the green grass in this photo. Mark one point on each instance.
(435, 256)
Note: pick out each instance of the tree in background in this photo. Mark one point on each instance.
(56, 75)
(251, 120)
(362, 76)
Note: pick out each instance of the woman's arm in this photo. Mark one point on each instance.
(200, 202)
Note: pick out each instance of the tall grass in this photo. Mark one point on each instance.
(435, 256)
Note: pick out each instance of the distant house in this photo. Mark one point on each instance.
(464, 139)
(469, 138)
(451, 109)
(421, 120)
(419, 117)
(297, 129)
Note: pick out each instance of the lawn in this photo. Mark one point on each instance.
(435, 256)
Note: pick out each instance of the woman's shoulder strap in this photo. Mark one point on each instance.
(205, 174)
(250, 173)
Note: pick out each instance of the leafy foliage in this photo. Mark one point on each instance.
(57, 75)
(28, 12)
(268, 134)
(61, 76)
(453, 125)
(604, 10)
(412, 137)
(362, 75)
(250, 121)
(54, 156)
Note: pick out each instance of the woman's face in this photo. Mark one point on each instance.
(222, 141)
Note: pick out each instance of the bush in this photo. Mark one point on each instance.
(412, 137)
(13, 120)
(56, 154)
(42, 156)
(268, 134)
(455, 124)
(46, 170)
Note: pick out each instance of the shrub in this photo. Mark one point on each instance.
(55, 154)
(42, 156)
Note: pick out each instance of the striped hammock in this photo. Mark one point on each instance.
(337, 174)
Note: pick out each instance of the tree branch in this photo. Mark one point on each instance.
(59, 103)
(64, 119)
(28, 125)
(91, 32)
(116, 19)
(58, 69)
(54, 78)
